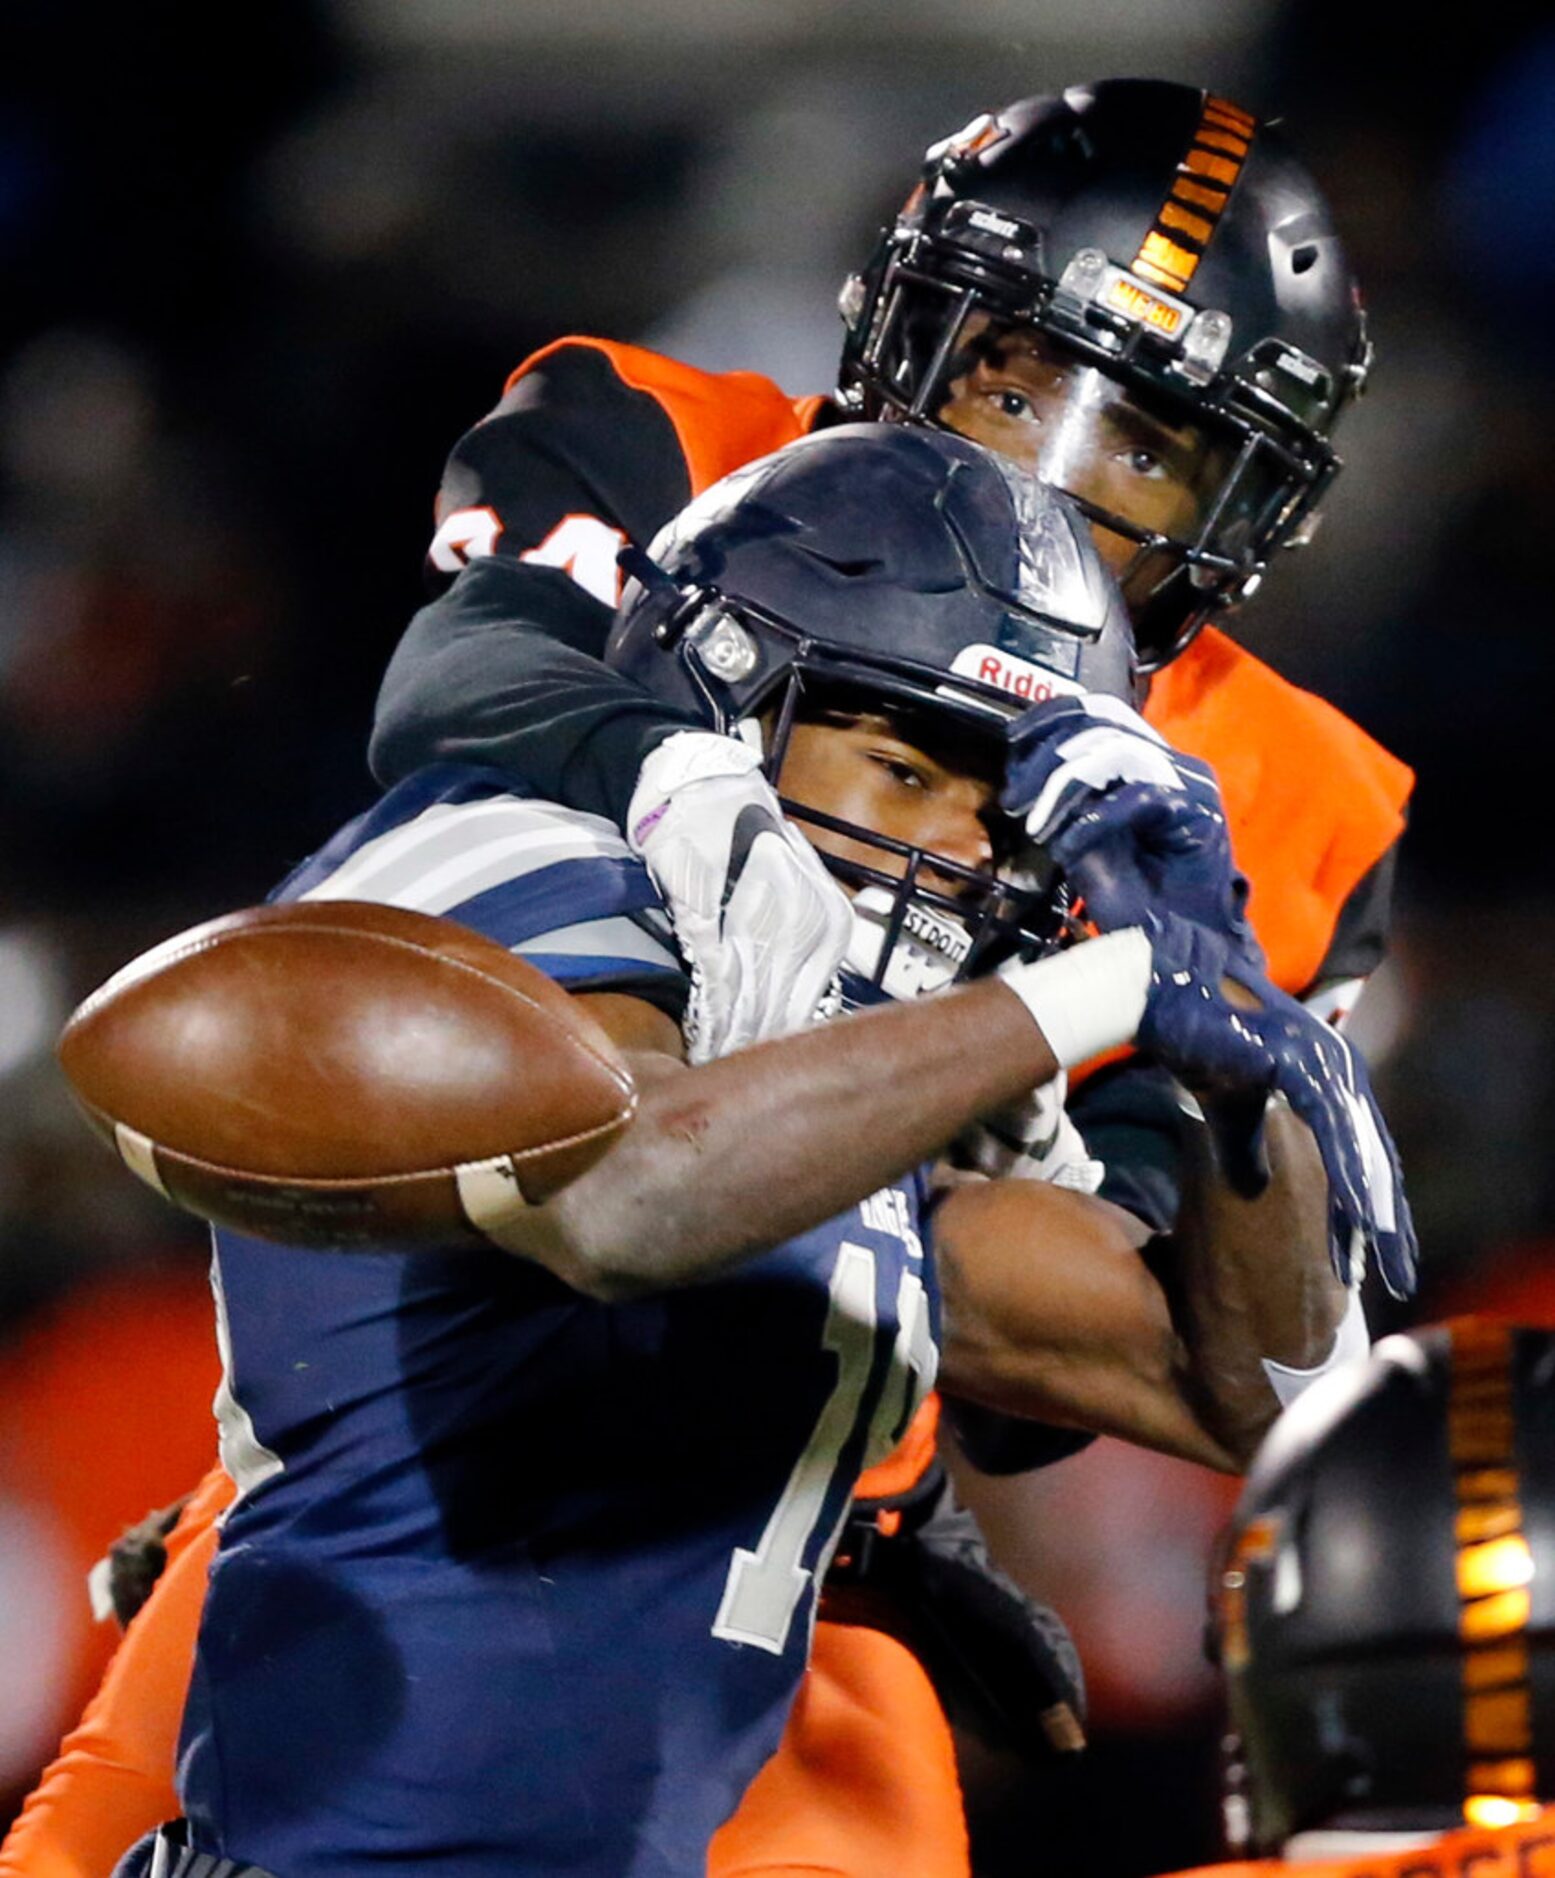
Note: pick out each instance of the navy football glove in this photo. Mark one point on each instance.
(1238, 1057)
(1135, 825)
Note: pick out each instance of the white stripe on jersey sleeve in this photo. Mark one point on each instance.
(246, 1458)
(455, 850)
(616, 938)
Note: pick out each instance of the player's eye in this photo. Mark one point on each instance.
(1011, 403)
(901, 771)
(1144, 463)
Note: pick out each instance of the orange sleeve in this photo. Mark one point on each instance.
(864, 1781)
(723, 420)
(112, 1780)
(1313, 802)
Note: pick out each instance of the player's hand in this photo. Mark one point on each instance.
(1134, 825)
(1239, 1056)
(761, 923)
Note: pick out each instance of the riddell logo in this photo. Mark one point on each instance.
(1034, 683)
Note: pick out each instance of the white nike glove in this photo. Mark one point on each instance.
(761, 923)
(1033, 1139)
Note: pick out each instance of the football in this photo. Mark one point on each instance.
(339, 1073)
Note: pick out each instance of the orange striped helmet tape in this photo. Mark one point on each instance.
(1157, 235)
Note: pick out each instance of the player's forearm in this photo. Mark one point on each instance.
(743, 1153)
(1051, 1313)
(503, 670)
(1255, 1281)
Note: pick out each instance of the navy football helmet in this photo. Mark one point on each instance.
(1162, 239)
(874, 568)
(1385, 1598)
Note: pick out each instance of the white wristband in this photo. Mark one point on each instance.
(1087, 999)
(1351, 1340)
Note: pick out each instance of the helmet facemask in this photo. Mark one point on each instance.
(1163, 238)
(1260, 480)
(924, 919)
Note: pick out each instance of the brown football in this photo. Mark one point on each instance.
(339, 1073)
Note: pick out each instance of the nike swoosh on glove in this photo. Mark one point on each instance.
(1134, 824)
(762, 925)
(1280, 1048)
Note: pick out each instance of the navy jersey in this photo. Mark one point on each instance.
(519, 1581)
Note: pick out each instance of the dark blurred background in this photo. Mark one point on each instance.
(261, 269)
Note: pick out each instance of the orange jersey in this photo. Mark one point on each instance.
(865, 1781)
(722, 420)
(1313, 803)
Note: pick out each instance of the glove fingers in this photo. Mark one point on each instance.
(1350, 1208)
(1347, 1244)
(1393, 1245)
(1139, 814)
(795, 925)
(1398, 1254)
(1085, 764)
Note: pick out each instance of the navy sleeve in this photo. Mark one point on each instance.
(549, 882)
(503, 667)
(1132, 1122)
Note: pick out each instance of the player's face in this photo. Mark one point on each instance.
(864, 770)
(1083, 432)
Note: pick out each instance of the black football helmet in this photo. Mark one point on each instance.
(1384, 1607)
(905, 571)
(1162, 237)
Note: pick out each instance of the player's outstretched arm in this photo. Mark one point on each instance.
(1052, 1312)
(737, 1155)
(733, 1156)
